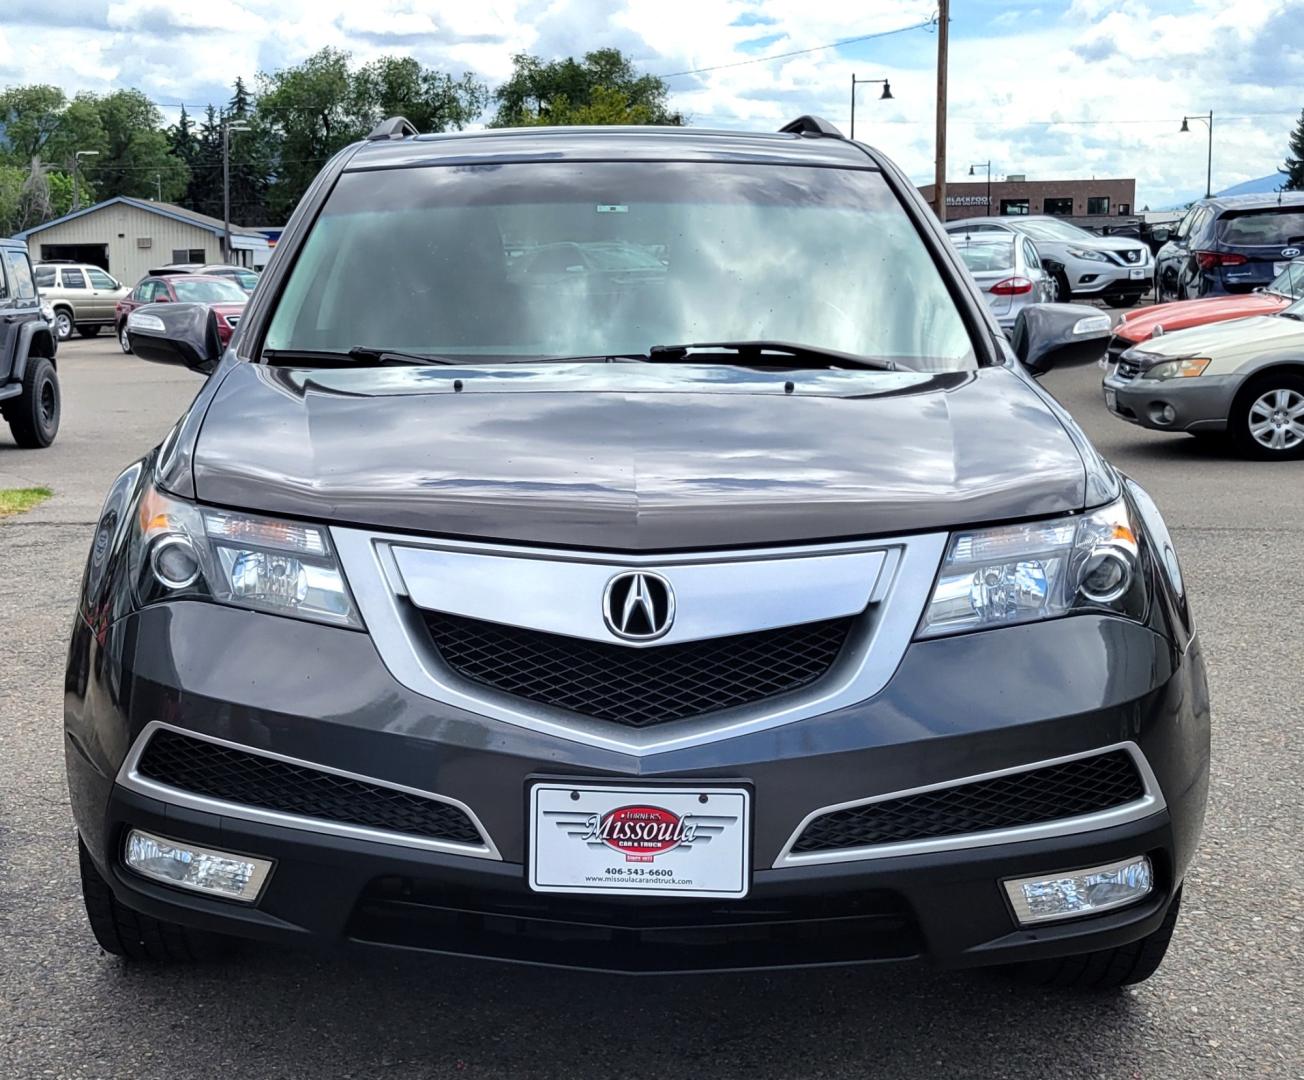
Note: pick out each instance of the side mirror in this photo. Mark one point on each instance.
(1053, 335)
(184, 334)
(1160, 235)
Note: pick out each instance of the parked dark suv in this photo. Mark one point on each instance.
(722, 595)
(29, 384)
(1230, 244)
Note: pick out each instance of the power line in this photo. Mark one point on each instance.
(799, 52)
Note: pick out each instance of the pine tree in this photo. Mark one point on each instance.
(1294, 167)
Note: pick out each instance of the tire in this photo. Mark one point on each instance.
(88, 331)
(1106, 969)
(1267, 417)
(1063, 291)
(63, 324)
(123, 932)
(124, 342)
(34, 415)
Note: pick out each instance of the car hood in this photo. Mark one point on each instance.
(1181, 314)
(1229, 342)
(634, 457)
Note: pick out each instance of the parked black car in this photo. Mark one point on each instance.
(29, 383)
(756, 610)
(1230, 244)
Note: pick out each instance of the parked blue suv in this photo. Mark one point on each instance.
(1232, 244)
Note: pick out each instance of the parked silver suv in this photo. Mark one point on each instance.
(1115, 269)
(83, 297)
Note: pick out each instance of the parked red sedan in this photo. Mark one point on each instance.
(226, 299)
(1145, 323)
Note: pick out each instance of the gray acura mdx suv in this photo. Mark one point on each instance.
(636, 550)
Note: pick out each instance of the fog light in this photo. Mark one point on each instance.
(1080, 892)
(235, 877)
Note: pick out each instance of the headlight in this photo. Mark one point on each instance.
(1178, 369)
(1090, 256)
(1021, 573)
(182, 550)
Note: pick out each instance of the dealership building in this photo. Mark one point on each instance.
(127, 237)
(1091, 203)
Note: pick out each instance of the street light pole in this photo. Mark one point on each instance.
(1204, 119)
(988, 166)
(76, 159)
(228, 126)
(886, 95)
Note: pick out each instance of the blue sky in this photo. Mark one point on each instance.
(1050, 89)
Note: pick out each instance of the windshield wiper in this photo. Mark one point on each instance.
(358, 356)
(785, 354)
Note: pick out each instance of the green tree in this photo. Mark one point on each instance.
(316, 108)
(40, 122)
(603, 88)
(137, 158)
(11, 192)
(1294, 167)
(252, 155)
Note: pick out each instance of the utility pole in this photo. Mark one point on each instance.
(939, 173)
(228, 126)
(158, 187)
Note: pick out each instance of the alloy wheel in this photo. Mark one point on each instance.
(63, 325)
(1276, 419)
(48, 403)
(123, 340)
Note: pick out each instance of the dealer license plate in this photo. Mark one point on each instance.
(1111, 400)
(1137, 273)
(640, 838)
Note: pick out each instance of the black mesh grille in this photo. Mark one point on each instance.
(637, 687)
(221, 772)
(1077, 787)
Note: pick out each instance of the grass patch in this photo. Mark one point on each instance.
(17, 500)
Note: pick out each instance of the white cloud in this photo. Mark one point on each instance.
(1139, 64)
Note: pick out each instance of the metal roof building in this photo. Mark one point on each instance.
(127, 237)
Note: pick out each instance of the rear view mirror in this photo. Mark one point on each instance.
(184, 334)
(1057, 335)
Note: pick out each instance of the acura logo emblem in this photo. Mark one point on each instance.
(638, 606)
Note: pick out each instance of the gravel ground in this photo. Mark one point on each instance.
(1228, 1002)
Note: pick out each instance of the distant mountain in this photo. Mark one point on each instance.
(1264, 185)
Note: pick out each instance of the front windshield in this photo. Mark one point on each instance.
(211, 291)
(1045, 229)
(1290, 282)
(559, 259)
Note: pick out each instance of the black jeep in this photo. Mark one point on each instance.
(29, 386)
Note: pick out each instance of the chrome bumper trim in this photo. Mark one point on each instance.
(1150, 803)
(129, 778)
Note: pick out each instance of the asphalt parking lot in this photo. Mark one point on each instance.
(1228, 1003)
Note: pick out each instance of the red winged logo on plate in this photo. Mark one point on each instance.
(642, 831)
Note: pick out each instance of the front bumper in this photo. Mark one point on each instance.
(1201, 404)
(1058, 688)
(1099, 279)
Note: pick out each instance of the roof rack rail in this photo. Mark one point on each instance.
(811, 125)
(396, 127)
